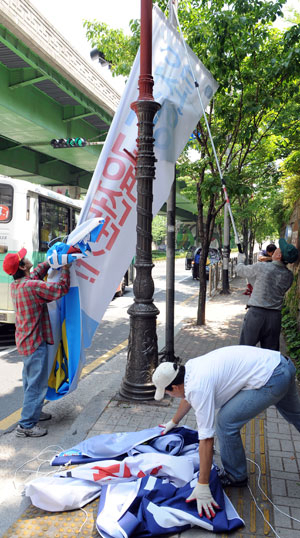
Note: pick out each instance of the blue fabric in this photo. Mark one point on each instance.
(60, 249)
(113, 445)
(151, 513)
(280, 391)
(35, 383)
(71, 357)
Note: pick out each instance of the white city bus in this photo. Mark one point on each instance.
(30, 216)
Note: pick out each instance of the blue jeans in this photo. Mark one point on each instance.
(280, 391)
(35, 383)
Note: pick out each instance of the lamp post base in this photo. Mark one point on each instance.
(142, 352)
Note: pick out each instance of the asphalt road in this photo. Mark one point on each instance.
(110, 337)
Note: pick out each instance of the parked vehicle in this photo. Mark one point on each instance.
(214, 256)
(30, 216)
(189, 258)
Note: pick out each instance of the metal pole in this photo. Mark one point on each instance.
(170, 270)
(168, 352)
(226, 253)
(142, 355)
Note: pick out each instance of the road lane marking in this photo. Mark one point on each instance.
(16, 415)
(103, 358)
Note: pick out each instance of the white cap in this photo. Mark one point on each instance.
(162, 377)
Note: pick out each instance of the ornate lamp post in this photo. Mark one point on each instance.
(142, 346)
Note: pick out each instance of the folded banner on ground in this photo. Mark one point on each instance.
(141, 495)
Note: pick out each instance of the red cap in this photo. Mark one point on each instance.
(11, 261)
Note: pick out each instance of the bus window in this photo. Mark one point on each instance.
(6, 202)
(54, 222)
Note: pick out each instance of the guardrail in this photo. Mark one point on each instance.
(215, 275)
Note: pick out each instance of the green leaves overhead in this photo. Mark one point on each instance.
(254, 117)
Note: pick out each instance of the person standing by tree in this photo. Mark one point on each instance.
(271, 281)
(266, 255)
(30, 295)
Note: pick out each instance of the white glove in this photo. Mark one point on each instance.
(167, 427)
(241, 258)
(205, 501)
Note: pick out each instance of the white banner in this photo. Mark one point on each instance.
(112, 192)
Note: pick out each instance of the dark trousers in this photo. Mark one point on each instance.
(263, 326)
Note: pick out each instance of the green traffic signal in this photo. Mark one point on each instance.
(78, 142)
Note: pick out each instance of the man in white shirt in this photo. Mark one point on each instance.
(240, 381)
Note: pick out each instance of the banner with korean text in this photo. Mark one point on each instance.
(112, 192)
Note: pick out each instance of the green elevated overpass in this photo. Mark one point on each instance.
(47, 90)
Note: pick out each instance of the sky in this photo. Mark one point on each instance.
(67, 17)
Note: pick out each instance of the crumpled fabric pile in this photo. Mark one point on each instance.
(143, 480)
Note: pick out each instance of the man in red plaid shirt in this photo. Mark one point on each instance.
(30, 294)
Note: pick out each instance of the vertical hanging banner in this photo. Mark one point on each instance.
(112, 196)
(112, 191)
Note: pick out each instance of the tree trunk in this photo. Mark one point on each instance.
(202, 290)
(245, 239)
(251, 245)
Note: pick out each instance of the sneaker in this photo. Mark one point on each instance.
(35, 431)
(228, 481)
(45, 416)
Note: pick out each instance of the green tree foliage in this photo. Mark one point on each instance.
(159, 228)
(118, 49)
(290, 179)
(257, 68)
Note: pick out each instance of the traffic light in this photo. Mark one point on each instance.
(68, 142)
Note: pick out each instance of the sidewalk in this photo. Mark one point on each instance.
(270, 442)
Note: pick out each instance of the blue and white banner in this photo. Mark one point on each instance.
(112, 191)
(66, 357)
(112, 194)
(141, 495)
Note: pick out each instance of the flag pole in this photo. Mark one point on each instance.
(142, 356)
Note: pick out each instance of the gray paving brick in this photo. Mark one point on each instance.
(287, 445)
(272, 412)
(281, 454)
(284, 427)
(295, 512)
(285, 501)
(285, 476)
(276, 463)
(272, 427)
(293, 488)
(282, 520)
(287, 533)
(273, 444)
(290, 464)
(277, 435)
(278, 486)
(297, 445)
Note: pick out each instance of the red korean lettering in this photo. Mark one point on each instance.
(128, 185)
(114, 169)
(88, 267)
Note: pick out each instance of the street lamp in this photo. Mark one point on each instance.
(97, 55)
(142, 356)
